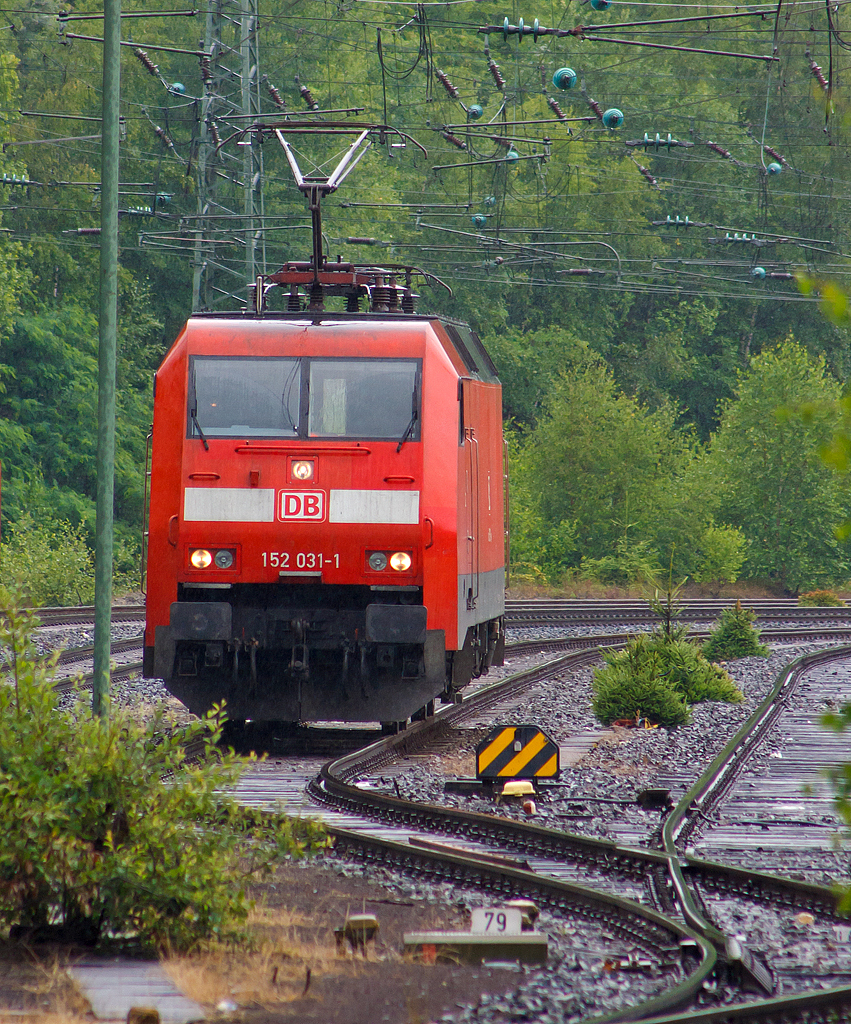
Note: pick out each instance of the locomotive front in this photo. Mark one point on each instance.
(325, 532)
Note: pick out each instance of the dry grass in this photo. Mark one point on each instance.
(55, 997)
(288, 953)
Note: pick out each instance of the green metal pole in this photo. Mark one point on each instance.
(108, 316)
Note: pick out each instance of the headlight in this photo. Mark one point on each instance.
(224, 559)
(201, 558)
(377, 561)
(400, 561)
(302, 470)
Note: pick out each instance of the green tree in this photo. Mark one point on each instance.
(622, 474)
(735, 636)
(529, 362)
(766, 466)
(48, 415)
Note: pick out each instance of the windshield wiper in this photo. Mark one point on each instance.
(414, 417)
(193, 411)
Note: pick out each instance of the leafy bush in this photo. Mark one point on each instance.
(735, 635)
(49, 561)
(658, 677)
(630, 562)
(820, 599)
(95, 844)
(623, 690)
(691, 674)
(721, 553)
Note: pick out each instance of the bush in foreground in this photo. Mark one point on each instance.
(735, 635)
(95, 843)
(657, 678)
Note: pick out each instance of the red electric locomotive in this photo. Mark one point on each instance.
(326, 516)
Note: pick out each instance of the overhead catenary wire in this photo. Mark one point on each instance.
(515, 195)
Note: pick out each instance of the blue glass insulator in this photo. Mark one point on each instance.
(613, 118)
(758, 272)
(774, 168)
(601, 5)
(474, 111)
(479, 220)
(564, 78)
(177, 87)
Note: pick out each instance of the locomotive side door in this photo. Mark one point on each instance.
(470, 442)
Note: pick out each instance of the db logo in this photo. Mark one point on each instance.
(301, 505)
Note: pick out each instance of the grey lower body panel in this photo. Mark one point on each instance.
(481, 598)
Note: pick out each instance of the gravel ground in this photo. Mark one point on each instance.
(804, 953)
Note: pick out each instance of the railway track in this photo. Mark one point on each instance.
(619, 890)
(76, 663)
(579, 611)
(82, 615)
(379, 827)
(582, 612)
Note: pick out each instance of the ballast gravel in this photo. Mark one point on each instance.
(596, 796)
(582, 977)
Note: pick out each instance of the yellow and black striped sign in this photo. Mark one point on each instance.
(517, 752)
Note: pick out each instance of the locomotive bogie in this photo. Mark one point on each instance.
(325, 536)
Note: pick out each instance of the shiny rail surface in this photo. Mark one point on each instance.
(85, 614)
(644, 925)
(628, 611)
(579, 611)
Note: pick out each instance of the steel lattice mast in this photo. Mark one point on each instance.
(229, 187)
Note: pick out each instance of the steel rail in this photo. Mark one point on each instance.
(69, 655)
(86, 613)
(118, 674)
(541, 610)
(712, 783)
(708, 790)
(777, 636)
(636, 923)
(334, 786)
(810, 1007)
(549, 613)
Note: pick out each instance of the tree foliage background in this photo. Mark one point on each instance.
(637, 355)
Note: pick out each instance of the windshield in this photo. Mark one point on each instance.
(362, 397)
(244, 397)
(279, 397)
